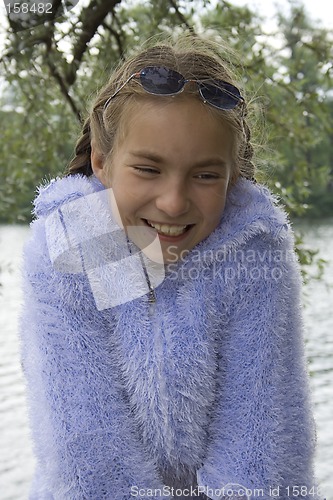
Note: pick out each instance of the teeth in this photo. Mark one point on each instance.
(167, 229)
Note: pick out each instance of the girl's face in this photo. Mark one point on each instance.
(170, 174)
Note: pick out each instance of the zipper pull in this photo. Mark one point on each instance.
(151, 296)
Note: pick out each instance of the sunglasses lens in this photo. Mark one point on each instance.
(222, 95)
(161, 81)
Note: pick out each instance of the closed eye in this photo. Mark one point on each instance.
(208, 176)
(146, 170)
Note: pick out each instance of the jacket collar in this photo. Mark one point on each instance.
(250, 210)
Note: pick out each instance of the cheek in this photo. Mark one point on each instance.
(132, 193)
(129, 201)
(215, 203)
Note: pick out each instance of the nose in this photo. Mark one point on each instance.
(173, 199)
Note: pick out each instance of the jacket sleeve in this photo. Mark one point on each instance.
(262, 434)
(85, 440)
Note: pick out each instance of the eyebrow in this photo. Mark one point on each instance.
(217, 161)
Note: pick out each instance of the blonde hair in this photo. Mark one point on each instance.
(191, 56)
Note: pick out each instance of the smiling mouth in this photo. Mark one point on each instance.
(168, 229)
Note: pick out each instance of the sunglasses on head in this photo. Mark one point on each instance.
(159, 80)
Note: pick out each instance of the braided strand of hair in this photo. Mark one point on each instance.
(81, 163)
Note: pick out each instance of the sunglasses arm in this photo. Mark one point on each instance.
(135, 75)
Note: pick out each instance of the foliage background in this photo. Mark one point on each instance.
(50, 71)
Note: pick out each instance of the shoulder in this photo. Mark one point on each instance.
(75, 230)
(59, 191)
(253, 212)
(254, 206)
(52, 269)
(46, 229)
(261, 238)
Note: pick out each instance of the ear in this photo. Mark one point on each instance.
(98, 166)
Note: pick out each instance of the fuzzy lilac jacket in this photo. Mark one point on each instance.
(206, 385)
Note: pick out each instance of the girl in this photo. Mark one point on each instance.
(162, 333)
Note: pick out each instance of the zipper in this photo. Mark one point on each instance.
(151, 293)
(159, 346)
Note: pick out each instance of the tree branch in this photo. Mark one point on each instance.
(181, 17)
(91, 18)
(117, 37)
(63, 88)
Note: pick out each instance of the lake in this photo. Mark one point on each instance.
(16, 457)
